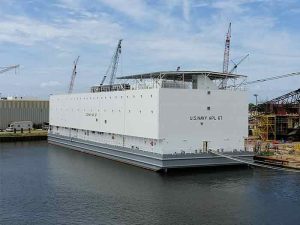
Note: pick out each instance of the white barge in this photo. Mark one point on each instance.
(160, 120)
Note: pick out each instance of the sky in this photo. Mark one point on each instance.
(45, 37)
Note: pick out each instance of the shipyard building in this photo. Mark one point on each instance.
(19, 109)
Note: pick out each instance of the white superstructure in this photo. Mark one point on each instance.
(163, 113)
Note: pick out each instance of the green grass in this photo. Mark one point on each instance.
(266, 153)
(25, 133)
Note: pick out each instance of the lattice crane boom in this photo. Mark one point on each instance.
(115, 63)
(273, 78)
(292, 97)
(74, 72)
(226, 56)
(237, 64)
(227, 50)
(8, 68)
(103, 79)
(265, 79)
(113, 66)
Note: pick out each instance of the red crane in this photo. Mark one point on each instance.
(226, 55)
(227, 50)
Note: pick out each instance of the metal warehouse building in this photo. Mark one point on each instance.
(36, 111)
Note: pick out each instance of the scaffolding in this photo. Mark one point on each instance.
(266, 127)
(277, 118)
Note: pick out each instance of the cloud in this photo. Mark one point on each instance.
(50, 84)
(160, 35)
(135, 9)
(28, 31)
(186, 9)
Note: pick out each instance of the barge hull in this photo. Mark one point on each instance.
(147, 160)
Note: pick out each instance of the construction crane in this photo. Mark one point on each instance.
(265, 79)
(237, 64)
(227, 50)
(272, 78)
(103, 79)
(8, 68)
(113, 66)
(226, 56)
(4, 69)
(292, 97)
(74, 72)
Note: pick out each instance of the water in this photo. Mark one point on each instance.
(46, 184)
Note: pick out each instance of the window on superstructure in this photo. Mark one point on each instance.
(208, 92)
(208, 107)
(105, 121)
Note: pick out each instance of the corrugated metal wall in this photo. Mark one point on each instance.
(22, 110)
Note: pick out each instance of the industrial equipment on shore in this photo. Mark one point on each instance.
(278, 119)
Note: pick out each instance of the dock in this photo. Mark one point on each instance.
(286, 161)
